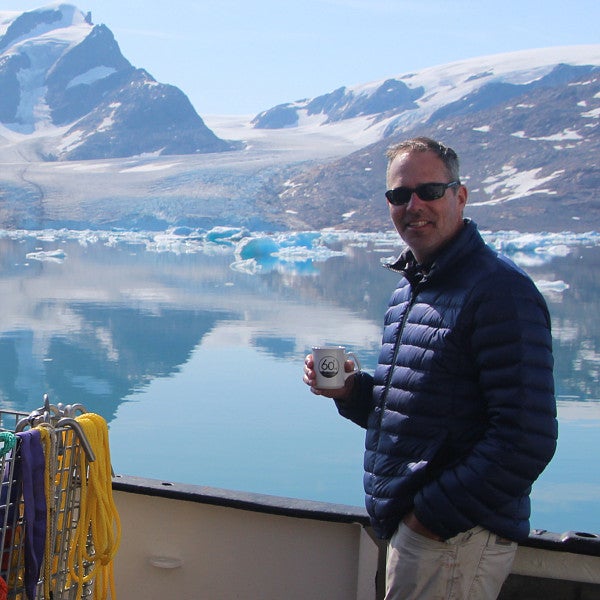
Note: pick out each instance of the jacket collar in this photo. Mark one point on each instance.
(465, 242)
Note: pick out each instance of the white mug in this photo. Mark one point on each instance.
(329, 366)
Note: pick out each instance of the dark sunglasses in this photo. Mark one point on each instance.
(426, 191)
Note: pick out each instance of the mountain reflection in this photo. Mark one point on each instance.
(121, 350)
(116, 351)
(576, 327)
(95, 322)
(169, 335)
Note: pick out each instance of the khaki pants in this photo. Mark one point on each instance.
(471, 566)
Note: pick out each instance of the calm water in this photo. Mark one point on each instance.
(194, 355)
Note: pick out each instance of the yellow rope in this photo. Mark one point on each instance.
(98, 533)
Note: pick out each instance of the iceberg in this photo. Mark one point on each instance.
(57, 255)
(552, 286)
(226, 235)
(294, 251)
(256, 247)
(533, 249)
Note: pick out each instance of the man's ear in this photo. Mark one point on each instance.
(463, 195)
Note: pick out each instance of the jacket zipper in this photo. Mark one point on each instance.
(411, 301)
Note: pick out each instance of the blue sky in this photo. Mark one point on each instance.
(241, 57)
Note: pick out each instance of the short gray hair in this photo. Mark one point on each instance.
(425, 144)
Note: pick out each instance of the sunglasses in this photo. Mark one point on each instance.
(426, 191)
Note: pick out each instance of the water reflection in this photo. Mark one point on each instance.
(204, 348)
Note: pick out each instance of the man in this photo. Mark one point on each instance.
(460, 415)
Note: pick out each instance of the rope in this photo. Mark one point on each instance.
(98, 532)
(47, 438)
(8, 440)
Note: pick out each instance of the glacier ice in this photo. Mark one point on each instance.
(295, 251)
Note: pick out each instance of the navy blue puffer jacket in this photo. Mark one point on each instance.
(460, 412)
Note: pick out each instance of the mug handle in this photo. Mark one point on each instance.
(357, 366)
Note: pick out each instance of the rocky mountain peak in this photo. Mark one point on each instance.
(66, 80)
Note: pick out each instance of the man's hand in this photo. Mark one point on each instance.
(411, 521)
(310, 378)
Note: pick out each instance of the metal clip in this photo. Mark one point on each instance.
(58, 416)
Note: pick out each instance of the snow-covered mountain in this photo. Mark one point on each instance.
(399, 103)
(87, 140)
(526, 126)
(69, 94)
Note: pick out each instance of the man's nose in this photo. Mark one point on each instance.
(414, 202)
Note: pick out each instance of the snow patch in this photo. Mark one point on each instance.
(567, 134)
(512, 184)
(91, 76)
(591, 114)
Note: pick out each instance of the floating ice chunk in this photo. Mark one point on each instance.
(289, 251)
(249, 266)
(533, 249)
(300, 254)
(88, 238)
(552, 286)
(225, 234)
(557, 250)
(525, 260)
(47, 236)
(256, 247)
(295, 251)
(57, 255)
(264, 246)
(305, 239)
(183, 231)
(167, 242)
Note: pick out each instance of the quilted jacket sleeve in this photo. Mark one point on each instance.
(358, 407)
(508, 328)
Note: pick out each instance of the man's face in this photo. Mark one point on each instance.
(426, 226)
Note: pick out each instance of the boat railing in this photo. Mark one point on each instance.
(568, 562)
